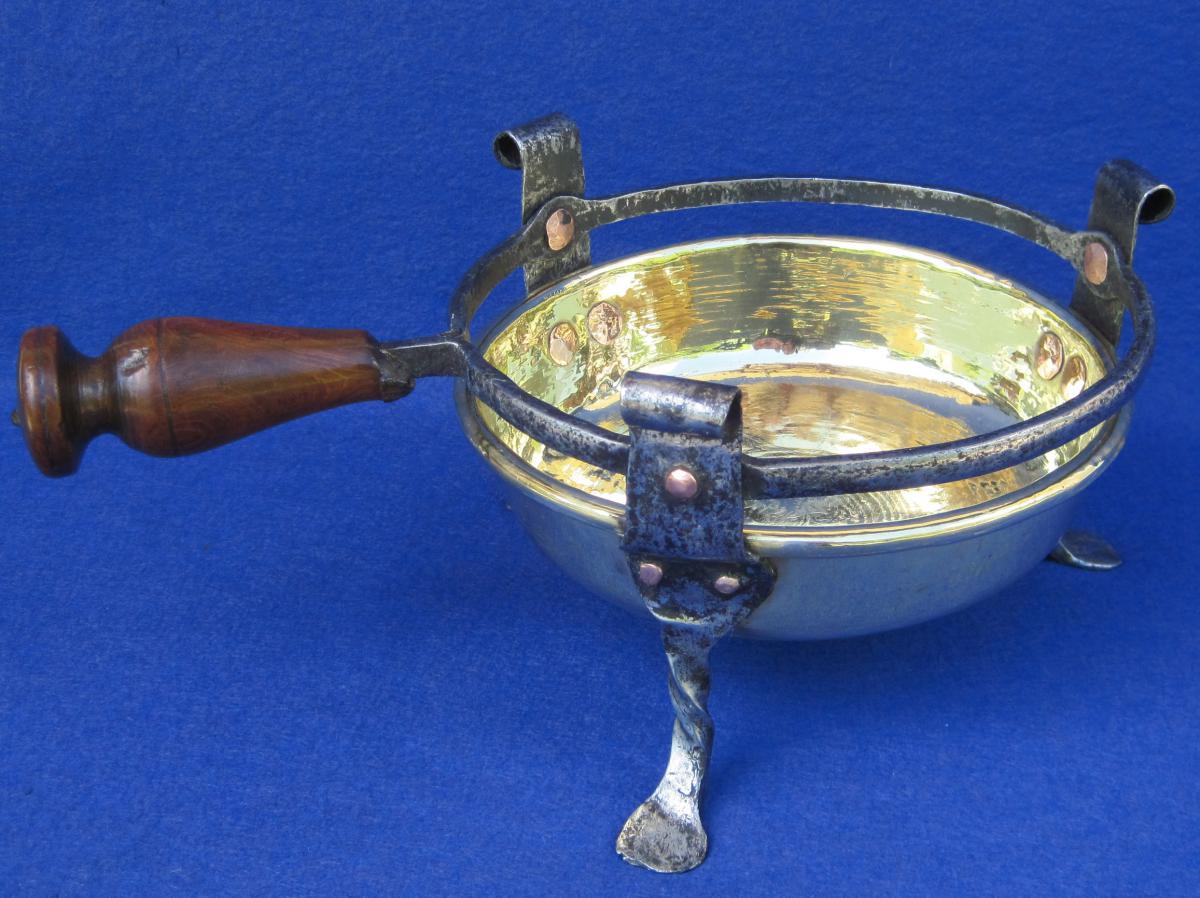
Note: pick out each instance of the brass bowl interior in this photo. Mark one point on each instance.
(839, 345)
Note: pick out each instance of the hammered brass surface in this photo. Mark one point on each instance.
(840, 346)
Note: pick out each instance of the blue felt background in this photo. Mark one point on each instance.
(324, 662)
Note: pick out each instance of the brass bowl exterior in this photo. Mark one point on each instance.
(840, 346)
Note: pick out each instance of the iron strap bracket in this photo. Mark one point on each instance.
(1126, 195)
(686, 436)
(687, 552)
(549, 155)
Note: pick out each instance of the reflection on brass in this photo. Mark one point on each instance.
(562, 343)
(1048, 357)
(1074, 377)
(604, 322)
(839, 346)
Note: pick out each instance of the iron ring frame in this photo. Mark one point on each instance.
(453, 353)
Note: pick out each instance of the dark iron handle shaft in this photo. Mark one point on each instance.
(174, 386)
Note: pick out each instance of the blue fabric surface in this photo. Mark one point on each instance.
(324, 661)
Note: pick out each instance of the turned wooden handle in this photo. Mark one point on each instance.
(173, 386)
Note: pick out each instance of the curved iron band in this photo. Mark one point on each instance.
(795, 477)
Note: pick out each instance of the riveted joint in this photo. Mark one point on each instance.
(681, 484)
(1095, 263)
(560, 230)
(649, 573)
(727, 584)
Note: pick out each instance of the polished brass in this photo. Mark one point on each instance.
(839, 346)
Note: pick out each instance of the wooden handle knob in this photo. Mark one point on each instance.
(173, 386)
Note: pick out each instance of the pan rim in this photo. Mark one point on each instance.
(1058, 485)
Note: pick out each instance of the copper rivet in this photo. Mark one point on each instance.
(1074, 377)
(604, 322)
(681, 484)
(1095, 263)
(649, 574)
(563, 343)
(1048, 357)
(560, 230)
(727, 585)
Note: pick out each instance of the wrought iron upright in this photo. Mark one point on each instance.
(1126, 196)
(549, 155)
(684, 541)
